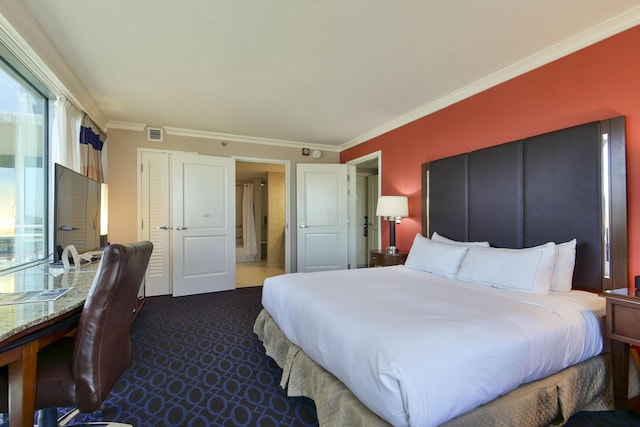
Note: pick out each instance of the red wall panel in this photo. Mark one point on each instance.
(595, 83)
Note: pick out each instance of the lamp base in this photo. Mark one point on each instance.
(392, 250)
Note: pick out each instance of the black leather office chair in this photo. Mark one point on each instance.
(80, 371)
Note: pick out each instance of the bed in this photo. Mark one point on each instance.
(505, 329)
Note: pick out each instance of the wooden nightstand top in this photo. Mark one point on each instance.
(383, 259)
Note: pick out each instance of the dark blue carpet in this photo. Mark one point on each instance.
(605, 418)
(197, 362)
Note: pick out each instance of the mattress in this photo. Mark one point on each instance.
(418, 349)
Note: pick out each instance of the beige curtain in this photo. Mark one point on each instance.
(92, 140)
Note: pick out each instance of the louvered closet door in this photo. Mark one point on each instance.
(156, 220)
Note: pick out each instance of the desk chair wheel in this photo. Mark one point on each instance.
(66, 418)
(49, 418)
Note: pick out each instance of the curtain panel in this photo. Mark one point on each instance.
(65, 134)
(248, 222)
(92, 140)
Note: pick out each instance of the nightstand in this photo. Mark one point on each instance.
(623, 320)
(383, 259)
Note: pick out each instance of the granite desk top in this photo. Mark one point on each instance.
(16, 318)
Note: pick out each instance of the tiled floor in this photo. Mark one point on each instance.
(254, 273)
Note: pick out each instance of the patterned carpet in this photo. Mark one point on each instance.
(604, 419)
(197, 362)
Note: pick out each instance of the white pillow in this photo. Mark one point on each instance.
(565, 262)
(438, 238)
(438, 258)
(527, 270)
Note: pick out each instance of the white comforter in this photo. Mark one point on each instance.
(419, 349)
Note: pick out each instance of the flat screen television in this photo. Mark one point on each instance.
(76, 212)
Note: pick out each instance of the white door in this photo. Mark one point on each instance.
(155, 209)
(322, 213)
(203, 235)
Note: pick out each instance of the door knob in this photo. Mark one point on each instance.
(164, 227)
(303, 226)
(181, 228)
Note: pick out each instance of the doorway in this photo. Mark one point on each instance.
(367, 233)
(261, 220)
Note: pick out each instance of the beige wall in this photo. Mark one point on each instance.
(277, 220)
(123, 168)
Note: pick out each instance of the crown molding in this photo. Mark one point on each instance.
(114, 124)
(246, 139)
(606, 29)
(228, 137)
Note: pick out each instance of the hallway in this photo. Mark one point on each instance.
(253, 273)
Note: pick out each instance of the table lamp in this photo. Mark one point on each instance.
(393, 209)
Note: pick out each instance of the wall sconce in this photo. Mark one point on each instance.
(393, 209)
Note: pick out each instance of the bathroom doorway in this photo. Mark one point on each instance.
(261, 242)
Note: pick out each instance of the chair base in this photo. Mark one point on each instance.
(47, 418)
(101, 424)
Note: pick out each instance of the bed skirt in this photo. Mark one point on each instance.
(549, 401)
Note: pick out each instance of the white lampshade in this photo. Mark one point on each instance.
(393, 206)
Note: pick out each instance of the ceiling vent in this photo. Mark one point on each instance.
(154, 134)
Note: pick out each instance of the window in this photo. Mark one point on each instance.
(23, 171)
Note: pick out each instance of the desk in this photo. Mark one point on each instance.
(25, 328)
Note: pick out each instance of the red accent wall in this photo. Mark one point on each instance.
(595, 83)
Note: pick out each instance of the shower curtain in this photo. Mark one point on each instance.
(248, 222)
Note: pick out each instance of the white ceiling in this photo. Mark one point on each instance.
(328, 73)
